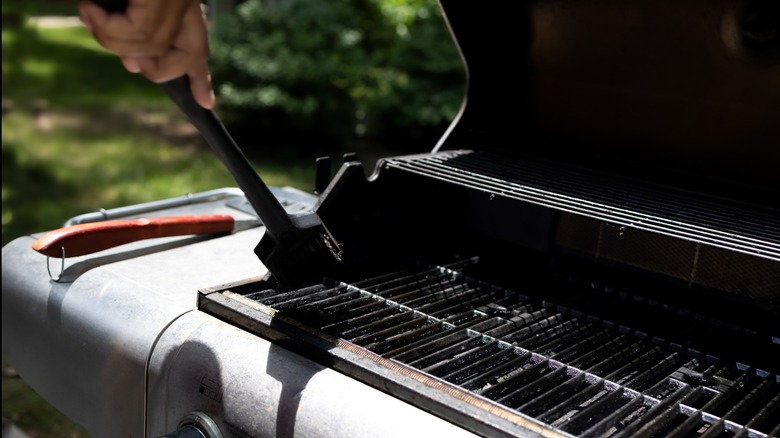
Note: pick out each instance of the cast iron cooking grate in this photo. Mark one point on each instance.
(580, 374)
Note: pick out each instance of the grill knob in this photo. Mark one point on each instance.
(188, 431)
(195, 425)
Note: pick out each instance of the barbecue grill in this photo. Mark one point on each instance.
(592, 249)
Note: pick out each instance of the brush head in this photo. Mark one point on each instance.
(300, 256)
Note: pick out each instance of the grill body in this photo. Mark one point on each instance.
(120, 347)
(600, 259)
(528, 311)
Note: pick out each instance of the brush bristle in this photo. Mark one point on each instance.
(301, 260)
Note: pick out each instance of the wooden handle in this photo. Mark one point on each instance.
(84, 239)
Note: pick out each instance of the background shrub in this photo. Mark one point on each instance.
(337, 75)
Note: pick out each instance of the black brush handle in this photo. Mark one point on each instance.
(112, 5)
(267, 206)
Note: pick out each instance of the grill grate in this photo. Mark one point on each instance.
(628, 203)
(583, 375)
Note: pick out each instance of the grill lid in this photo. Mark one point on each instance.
(678, 93)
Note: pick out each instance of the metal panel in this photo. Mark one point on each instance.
(251, 387)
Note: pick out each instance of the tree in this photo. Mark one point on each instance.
(337, 75)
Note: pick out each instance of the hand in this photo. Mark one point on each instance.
(162, 39)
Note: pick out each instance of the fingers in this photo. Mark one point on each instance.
(171, 66)
(164, 68)
(188, 55)
(161, 39)
(131, 65)
(202, 91)
(146, 28)
(92, 17)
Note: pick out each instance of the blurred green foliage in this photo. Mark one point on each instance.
(65, 66)
(337, 75)
(31, 8)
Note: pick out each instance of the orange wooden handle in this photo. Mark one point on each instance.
(84, 239)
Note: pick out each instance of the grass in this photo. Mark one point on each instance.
(79, 134)
(29, 412)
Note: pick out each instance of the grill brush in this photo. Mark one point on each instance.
(297, 248)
